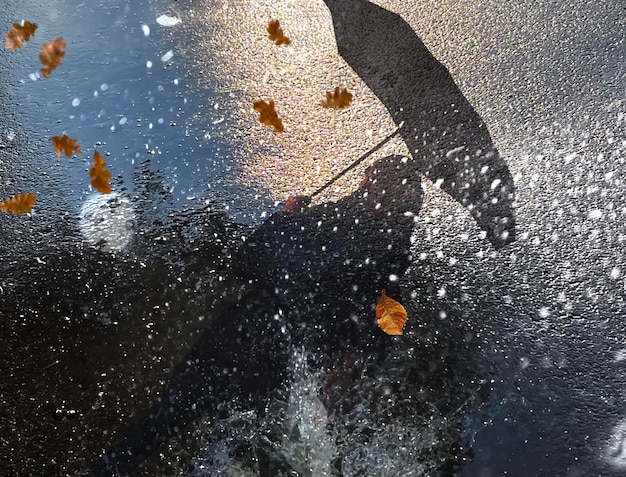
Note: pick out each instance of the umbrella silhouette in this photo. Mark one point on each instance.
(448, 140)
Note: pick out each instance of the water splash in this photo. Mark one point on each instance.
(108, 220)
(381, 425)
(307, 445)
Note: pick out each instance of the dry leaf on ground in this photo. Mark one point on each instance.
(268, 115)
(390, 314)
(18, 204)
(338, 100)
(99, 174)
(19, 34)
(52, 55)
(65, 144)
(276, 34)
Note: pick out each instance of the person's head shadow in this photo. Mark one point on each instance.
(448, 140)
(333, 260)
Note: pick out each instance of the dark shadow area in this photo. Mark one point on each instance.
(161, 265)
(89, 336)
(448, 140)
(311, 279)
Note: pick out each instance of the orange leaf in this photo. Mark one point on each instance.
(19, 34)
(338, 99)
(19, 204)
(65, 144)
(99, 174)
(390, 314)
(51, 56)
(276, 33)
(269, 115)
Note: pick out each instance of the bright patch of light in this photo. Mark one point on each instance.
(615, 451)
(108, 219)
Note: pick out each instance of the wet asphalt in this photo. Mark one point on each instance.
(89, 336)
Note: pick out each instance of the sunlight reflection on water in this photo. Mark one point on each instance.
(615, 453)
(107, 220)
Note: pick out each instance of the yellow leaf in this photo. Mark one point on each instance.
(19, 204)
(276, 33)
(268, 115)
(390, 314)
(19, 34)
(99, 174)
(51, 56)
(65, 144)
(338, 100)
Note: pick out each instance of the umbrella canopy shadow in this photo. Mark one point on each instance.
(448, 140)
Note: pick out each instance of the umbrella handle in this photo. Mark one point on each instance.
(359, 160)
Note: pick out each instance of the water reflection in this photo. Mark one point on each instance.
(107, 221)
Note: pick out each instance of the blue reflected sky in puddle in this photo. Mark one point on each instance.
(133, 98)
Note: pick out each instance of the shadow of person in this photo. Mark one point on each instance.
(319, 271)
(317, 274)
(448, 140)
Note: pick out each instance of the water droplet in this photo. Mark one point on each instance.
(166, 20)
(595, 214)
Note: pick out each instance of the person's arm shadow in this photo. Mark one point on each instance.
(448, 140)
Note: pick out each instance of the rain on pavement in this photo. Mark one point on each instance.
(514, 352)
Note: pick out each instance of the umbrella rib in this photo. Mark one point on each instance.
(358, 161)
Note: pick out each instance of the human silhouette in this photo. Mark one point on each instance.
(318, 274)
(318, 271)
